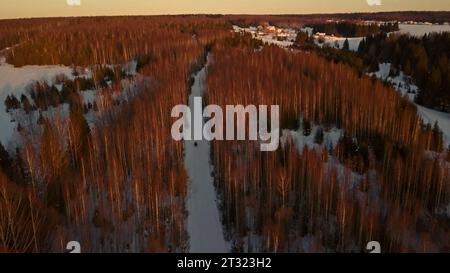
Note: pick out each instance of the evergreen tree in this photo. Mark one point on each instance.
(318, 138)
(25, 104)
(306, 127)
(421, 64)
(346, 45)
(362, 46)
(41, 119)
(6, 161)
(55, 96)
(12, 102)
(302, 39)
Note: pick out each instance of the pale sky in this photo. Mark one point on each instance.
(55, 8)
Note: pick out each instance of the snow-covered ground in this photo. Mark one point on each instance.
(412, 29)
(403, 84)
(88, 96)
(422, 29)
(13, 80)
(417, 30)
(333, 41)
(281, 37)
(203, 222)
(432, 116)
(345, 175)
(337, 42)
(330, 138)
(130, 68)
(286, 37)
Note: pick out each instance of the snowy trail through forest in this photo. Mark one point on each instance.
(203, 222)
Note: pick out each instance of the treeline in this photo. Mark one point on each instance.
(379, 183)
(353, 29)
(425, 59)
(14, 31)
(306, 42)
(60, 41)
(299, 20)
(119, 186)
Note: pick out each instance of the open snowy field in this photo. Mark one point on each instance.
(14, 80)
(422, 29)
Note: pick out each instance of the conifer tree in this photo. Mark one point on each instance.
(346, 45)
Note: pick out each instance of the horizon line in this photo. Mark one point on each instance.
(223, 14)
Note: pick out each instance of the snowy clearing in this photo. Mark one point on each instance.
(337, 42)
(401, 82)
(330, 138)
(421, 29)
(13, 80)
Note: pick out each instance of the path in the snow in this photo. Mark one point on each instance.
(203, 222)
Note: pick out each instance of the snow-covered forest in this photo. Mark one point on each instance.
(87, 155)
